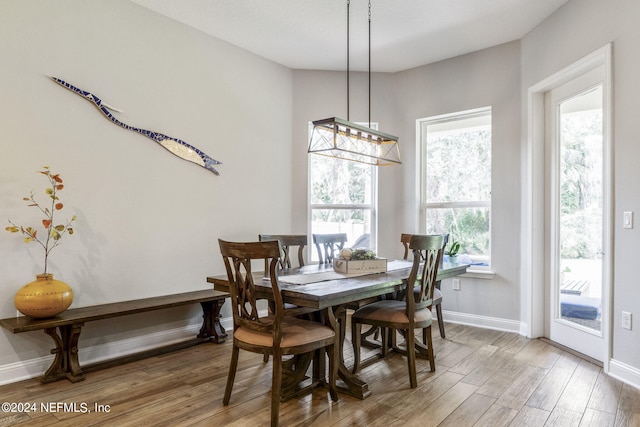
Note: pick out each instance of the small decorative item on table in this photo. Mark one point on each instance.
(45, 297)
(353, 261)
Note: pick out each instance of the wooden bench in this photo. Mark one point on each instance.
(65, 328)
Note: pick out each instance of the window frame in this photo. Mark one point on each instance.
(372, 207)
(421, 125)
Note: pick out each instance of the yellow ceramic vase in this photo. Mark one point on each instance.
(44, 297)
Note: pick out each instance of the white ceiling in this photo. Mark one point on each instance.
(312, 34)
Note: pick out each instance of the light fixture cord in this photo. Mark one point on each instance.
(369, 64)
(348, 4)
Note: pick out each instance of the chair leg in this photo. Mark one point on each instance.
(232, 375)
(430, 354)
(276, 387)
(384, 339)
(411, 357)
(376, 334)
(393, 339)
(440, 320)
(333, 370)
(356, 330)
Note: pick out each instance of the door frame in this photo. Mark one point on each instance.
(533, 253)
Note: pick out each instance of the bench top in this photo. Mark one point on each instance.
(105, 311)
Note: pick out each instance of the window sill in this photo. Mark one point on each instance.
(479, 274)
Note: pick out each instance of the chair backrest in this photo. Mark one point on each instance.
(237, 258)
(406, 239)
(286, 242)
(329, 246)
(427, 253)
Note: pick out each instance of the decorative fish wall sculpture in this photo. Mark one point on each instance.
(174, 145)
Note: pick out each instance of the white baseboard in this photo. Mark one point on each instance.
(625, 373)
(483, 321)
(227, 323)
(18, 371)
(32, 368)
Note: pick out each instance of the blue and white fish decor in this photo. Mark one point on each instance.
(174, 145)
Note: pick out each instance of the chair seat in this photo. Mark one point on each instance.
(391, 311)
(295, 332)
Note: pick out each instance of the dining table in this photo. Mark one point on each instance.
(320, 288)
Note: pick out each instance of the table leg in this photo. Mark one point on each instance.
(66, 363)
(294, 374)
(211, 327)
(353, 385)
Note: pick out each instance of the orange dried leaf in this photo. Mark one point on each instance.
(46, 223)
(59, 187)
(59, 206)
(57, 178)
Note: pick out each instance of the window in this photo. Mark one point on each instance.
(456, 180)
(342, 199)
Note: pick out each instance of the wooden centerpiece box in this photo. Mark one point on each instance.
(352, 266)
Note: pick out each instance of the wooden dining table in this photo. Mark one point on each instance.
(319, 287)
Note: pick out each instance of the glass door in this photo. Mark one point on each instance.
(576, 214)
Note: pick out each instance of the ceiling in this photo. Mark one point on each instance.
(312, 34)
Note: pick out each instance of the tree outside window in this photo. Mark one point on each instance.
(342, 197)
(456, 180)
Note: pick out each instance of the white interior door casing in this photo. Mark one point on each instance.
(574, 222)
(534, 261)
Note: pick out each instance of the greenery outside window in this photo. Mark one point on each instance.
(342, 199)
(456, 181)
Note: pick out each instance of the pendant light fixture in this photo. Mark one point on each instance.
(343, 139)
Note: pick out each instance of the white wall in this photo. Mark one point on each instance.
(323, 94)
(489, 77)
(575, 30)
(148, 221)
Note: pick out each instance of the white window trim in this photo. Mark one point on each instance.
(373, 206)
(480, 272)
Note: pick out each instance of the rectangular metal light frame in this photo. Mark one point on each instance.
(336, 137)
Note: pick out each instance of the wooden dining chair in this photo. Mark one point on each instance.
(274, 334)
(411, 313)
(329, 246)
(437, 293)
(287, 242)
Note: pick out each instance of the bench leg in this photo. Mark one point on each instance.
(211, 328)
(66, 363)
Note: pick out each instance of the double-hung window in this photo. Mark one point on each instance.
(456, 180)
(342, 199)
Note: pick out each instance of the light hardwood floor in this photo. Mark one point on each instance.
(483, 378)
